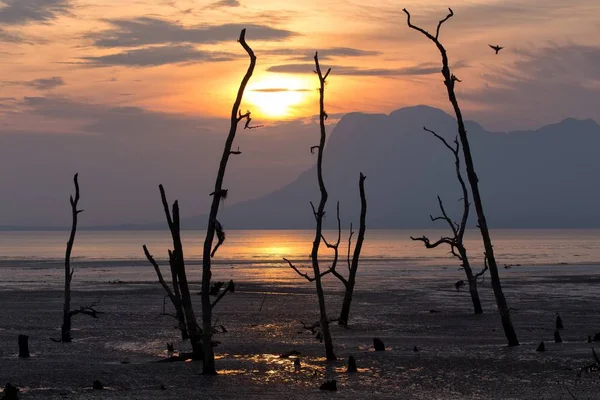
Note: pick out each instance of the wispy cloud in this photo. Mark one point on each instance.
(46, 83)
(10, 37)
(41, 83)
(279, 90)
(148, 31)
(225, 4)
(302, 54)
(420, 69)
(18, 12)
(155, 56)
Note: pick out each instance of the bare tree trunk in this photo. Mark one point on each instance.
(353, 267)
(66, 326)
(176, 257)
(475, 296)
(180, 295)
(324, 321)
(24, 346)
(472, 281)
(218, 195)
(179, 313)
(325, 333)
(449, 81)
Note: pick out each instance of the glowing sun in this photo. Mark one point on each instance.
(276, 97)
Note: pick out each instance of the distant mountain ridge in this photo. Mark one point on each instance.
(545, 178)
(529, 179)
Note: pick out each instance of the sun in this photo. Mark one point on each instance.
(277, 97)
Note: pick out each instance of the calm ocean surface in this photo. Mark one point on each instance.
(526, 247)
(34, 259)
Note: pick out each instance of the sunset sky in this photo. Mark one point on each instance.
(135, 70)
(180, 56)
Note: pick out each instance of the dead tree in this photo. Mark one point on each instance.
(353, 265)
(67, 312)
(456, 241)
(180, 294)
(214, 227)
(318, 214)
(450, 81)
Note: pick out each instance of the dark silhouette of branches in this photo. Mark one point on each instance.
(69, 271)
(450, 82)
(353, 265)
(180, 294)
(456, 242)
(175, 298)
(319, 212)
(218, 194)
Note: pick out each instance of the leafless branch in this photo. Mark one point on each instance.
(350, 245)
(158, 273)
(87, 310)
(302, 274)
(229, 288)
(429, 245)
(423, 31)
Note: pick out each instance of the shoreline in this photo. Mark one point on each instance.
(461, 355)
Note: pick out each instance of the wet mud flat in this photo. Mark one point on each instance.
(460, 355)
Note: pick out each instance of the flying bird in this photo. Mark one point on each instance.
(496, 48)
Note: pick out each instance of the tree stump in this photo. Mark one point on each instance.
(97, 385)
(378, 344)
(351, 365)
(559, 324)
(557, 338)
(10, 392)
(541, 347)
(329, 385)
(24, 346)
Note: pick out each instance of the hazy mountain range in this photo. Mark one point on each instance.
(545, 178)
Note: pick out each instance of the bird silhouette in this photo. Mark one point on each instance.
(496, 48)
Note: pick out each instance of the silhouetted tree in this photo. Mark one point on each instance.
(353, 265)
(214, 227)
(456, 241)
(450, 81)
(67, 312)
(325, 332)
(180, 295)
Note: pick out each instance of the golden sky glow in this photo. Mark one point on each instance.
(135, 93)
(279, 96)
(158, 54)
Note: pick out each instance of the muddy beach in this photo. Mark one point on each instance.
(460, 355)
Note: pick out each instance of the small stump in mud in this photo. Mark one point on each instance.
(351, 365)
(378, 344)
(24, 346)
(10, 392)
(97, 385)
(329, 386)
(557, 338)
(541, 347)
(559, 323)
